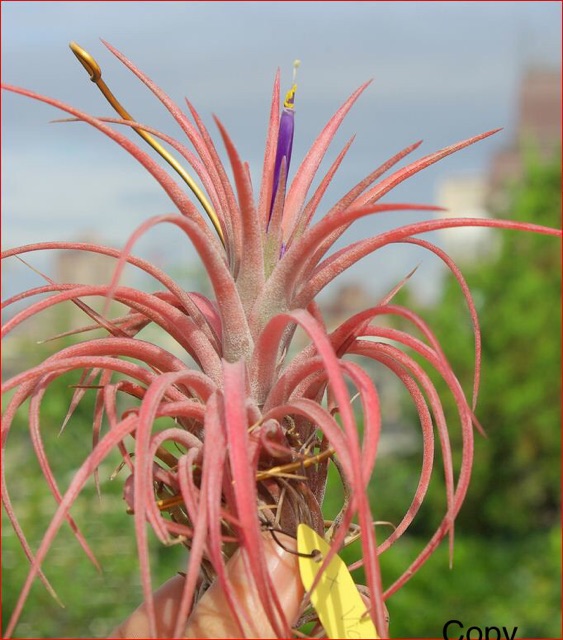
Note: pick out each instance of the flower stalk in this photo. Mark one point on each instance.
(95, 72)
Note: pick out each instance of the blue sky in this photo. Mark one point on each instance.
(442, 71)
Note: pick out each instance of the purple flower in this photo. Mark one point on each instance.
(285, 140)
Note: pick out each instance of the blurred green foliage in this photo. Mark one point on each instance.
(493, 582)
(94, 602)
(507, 568)
(516, 482)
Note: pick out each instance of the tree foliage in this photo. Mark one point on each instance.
(516, 476)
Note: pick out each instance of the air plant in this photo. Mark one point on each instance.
(257, 422)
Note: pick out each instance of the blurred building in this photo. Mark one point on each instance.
(89, 268)
(349, 298)
(465, 196)
(397, 436)
(537, 132)
(20, 348)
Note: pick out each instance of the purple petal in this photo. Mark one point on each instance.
(285, 141)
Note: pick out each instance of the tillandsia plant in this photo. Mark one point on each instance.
(257, 422)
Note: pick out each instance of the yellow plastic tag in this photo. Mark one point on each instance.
(336, 599)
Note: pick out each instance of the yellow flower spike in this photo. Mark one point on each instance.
(95, 73)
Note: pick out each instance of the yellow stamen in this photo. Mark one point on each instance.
(290, 95)
(95, 72)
